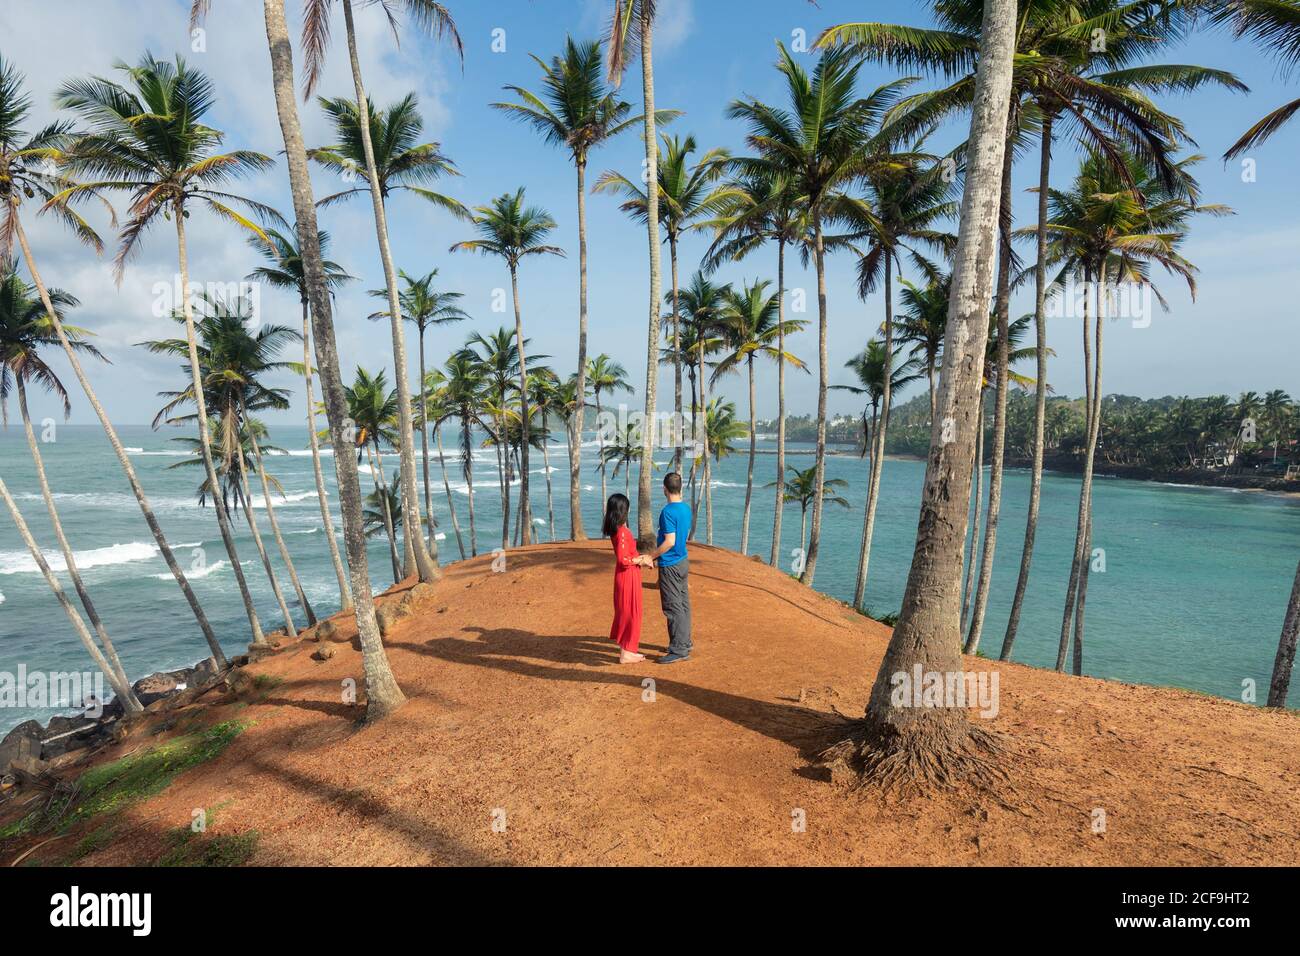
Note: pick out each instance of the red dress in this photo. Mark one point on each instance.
(626, 629)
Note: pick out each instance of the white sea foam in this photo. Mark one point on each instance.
(196, 573)
(21, 562)
(259, 501)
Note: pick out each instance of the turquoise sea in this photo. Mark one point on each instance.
(1194, 588)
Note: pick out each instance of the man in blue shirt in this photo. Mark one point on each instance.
(670, 556)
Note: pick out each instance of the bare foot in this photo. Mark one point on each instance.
(625, 657)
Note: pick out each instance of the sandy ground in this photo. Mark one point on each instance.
(525, 742)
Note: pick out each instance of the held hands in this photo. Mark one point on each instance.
(645, 560)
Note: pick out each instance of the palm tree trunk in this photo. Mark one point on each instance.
(275, 532)
(243, 491)
(644, 515)
(426, 559)
(749, 477)
(546, 463)
(819, 476)
(65, 549)
(119, 684)
(677, 363)
(600, 439)
(468, 468)
(977, 478)
(702, 430)
(345, 591)
(424, 448)
(780, 404)
(525, 518)
(1002, 308)
(503, 463)
(1092, 403)
(803, 526)
(136, 488)
(906, 744)
(882, 430)
(205, 436)
(1281, 681)
(1040, 389)
(451, 505)
(381, 492)
(868, 511)
(1084, 570)
(576, 531)
(382, 693)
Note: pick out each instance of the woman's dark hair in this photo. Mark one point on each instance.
(615, 514)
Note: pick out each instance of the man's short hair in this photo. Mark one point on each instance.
(673, 483)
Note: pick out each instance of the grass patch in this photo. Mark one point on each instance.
(889, 620)
(188, 849)
(111, 787)
(266, 682)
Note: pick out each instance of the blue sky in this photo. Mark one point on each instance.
(1239, 334)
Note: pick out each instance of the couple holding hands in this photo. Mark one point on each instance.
(669, 556)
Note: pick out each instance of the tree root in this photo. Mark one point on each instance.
(940, 754)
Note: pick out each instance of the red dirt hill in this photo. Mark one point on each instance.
(519, 712)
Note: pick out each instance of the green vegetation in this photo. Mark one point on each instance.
(190, 849)
(114, 786)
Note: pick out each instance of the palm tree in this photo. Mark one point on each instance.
(633, 23)
(579, 111)
(147, 138)
(818, 141)
(801, 486)
(26, 333)
(462, 401)
(231, 360)
(435, 408)
(687, 193)
(899, 744)
(607, 376)
(759, 206)
(751, 327)
(921, 323)
(700, 304)
(1278, 410)
(510, 230)
(383, 696)
(372, 408)
(29, 167)
(722, 429)
(383, 146)
(877, 376)
(425, 307)
(380, 505)
(1110, 228)
(285, 270)
(1274, 25)
(624, 450)
(1059, 75)
(544, 399)
(497, 356)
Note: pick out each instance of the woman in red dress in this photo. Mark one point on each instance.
(626, 629)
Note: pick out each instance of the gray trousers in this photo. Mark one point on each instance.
(675, 598)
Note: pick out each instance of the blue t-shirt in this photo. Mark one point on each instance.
(675, 519)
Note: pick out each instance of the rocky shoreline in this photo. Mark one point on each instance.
(32, 750)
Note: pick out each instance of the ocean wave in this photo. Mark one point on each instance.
(21, 562)
(259, 501)
(166, 453)
(193, 573)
